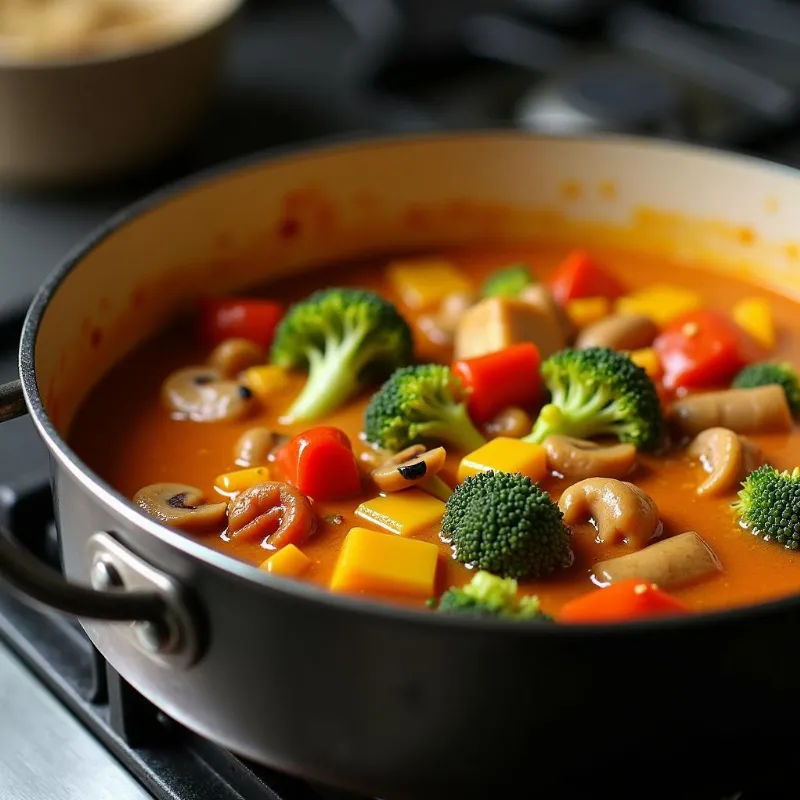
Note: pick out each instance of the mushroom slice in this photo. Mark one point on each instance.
(274, 512)
(408, 468)
(676, 561)
(619, 332)
(511, 422)
(255, 445)
(181, 506)
(203, 395)
(726, 456)
(622, 512)
(234, 356)
(579, 458)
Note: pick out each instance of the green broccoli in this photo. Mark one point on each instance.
(765, 373)
(769, 505)
(599, 391)
(420, 404)
(504, 523)
(345, 337)
(508, 282)
(486, 595)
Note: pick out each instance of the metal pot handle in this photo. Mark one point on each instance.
(127, 588)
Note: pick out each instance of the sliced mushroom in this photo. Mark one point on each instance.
(673, 562)
(622, 512)
(578, 458)
(758, 410)
(619, 332)
(275, 513)
(408, 468)
(234, 356)
(255, 445)
(440, 327)
(181, 506)
(726, 457)
(511, 422)
(203, 395)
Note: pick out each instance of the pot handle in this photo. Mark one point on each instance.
(39, 583)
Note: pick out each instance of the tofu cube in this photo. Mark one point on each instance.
(289, 562)
(407, 513)
(497, 322)
(371, 561)
(424, 283)
(505, 455)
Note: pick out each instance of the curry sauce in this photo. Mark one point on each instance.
(126, 435)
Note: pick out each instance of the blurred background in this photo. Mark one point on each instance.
(724, 72)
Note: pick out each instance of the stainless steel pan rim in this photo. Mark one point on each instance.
(300, 590)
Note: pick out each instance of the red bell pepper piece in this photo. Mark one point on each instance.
(620, 602)
(238, 318)
(703, 348)
(579, 276)
(321, 464)
(508, 377)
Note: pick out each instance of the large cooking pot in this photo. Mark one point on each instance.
(377, 699)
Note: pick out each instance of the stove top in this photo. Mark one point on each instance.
(718, 72)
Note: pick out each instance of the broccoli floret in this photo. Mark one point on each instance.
(504, 523)
(420, 404)
(345, 337)
(765, 373)
(486, 595)
(769, 505)
(599, 391)
(508, 282)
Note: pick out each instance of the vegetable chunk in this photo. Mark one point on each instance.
(385, 564)
(503, 454)
(407, 513)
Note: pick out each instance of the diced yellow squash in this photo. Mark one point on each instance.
(378, 562)
(584, 311)
(754, 315)
(266, 380)
(241, 479)
(662, 302)
(290, 562)
(407, 513)
(424, 283)
(505, 455)
(648, 359)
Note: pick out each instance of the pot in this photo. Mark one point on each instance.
(373, 698)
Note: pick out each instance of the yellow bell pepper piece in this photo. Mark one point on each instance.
(754, 315)
(241, 479)
(407, 513)
(379, 562)
(424, 283)
(584, 311)
(505, 455)
(648, 359)
(289, 562)
(662, 302)
(265, 381)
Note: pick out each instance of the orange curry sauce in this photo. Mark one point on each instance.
(125, 434)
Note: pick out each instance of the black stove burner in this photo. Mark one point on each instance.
(606, 96)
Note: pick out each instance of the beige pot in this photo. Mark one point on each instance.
(73, 121)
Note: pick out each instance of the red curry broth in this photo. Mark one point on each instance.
(149, 446)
